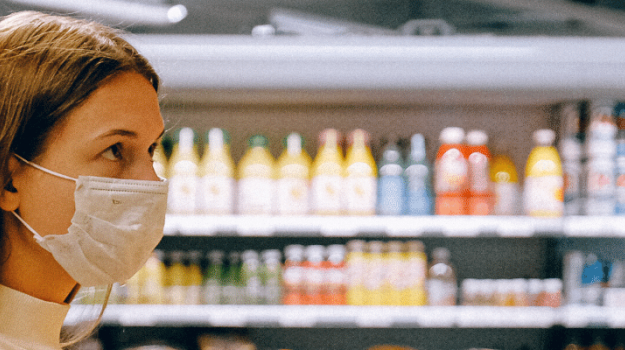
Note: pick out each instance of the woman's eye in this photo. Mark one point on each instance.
(151, 150)
(113, 153)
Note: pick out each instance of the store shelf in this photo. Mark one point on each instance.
(394, 226)
(307, 316)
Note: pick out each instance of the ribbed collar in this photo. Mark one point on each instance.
(30, 320)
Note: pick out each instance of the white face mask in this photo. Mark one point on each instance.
(116, 226)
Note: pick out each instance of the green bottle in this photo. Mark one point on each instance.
(212, 279)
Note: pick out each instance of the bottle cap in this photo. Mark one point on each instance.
(452, 135)
(415, 246)
(315, 253)
(294, 252)
(441, 254)
(358, 135)
(258, 141)
(215, 256)
(217, 137)
(553, 285)
(417, 147)
(375, 247)
(271, 255)
(294, 143)
(185, 137)
(477, 138)
(544, 137)
(234, 258)
(356, 245)
(330, 136)
(249, 255)
(395, 246)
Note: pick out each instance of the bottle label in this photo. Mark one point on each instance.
(326, 193)
(394, 275)
(390, 195)
(360, 192)
(451, 172)
(217, 195)
(478, 172)
(544, 195)
(415, 273)
(600, 181)
(256, 196)
(506, 199)
(293, 196)
(357, 272)
(375, 274)
(441, 292)
(183, 188)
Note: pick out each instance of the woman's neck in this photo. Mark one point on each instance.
(30, 269)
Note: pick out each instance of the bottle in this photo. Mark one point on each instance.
(391, 183)
(451, 173)
(335, 276)
(573, 269)
(183, 173)
(374, 280)
(592, 276)
(250, 277)
(360, 186)
(216, 175)
(505, 182)
(271, 277)
(293, 177)
(213, 278)
(176, 279)
(256, 179)
(193, 278)
(233, 292)
(313, 271)
(441, 286)
(414, 290)
(418, 178)
(356, 272)
(395, 262)
(293, 275)
(543, 193)
(571, 151)
(598, 344)
(327, 175)
(619, 183)
(480, 201)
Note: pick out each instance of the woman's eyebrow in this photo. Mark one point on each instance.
(117, 132)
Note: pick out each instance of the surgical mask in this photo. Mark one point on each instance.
(114, 230)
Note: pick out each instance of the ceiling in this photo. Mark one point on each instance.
(490, 17)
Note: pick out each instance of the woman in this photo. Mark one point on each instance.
(81, 204)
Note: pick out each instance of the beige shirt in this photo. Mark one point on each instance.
(29, 323)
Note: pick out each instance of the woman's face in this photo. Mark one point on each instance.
(112, 134)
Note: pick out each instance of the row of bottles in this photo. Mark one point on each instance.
(512, 292)
(593, 281)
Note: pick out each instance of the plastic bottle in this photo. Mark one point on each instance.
(256, 174)
(391, 183)
(193, 278)
(335, 276)
(293, 275)
(313, 271)
(213, 278)
(360, 187)
(442, 286)
(395, 262)
(414, 290)
(154, 279)
(356, 271)
(216, 175)
(250, 277)
(233, 292)
(480, 200)
(183, 173)
(418, 177)
(327, 175)
(619, 183)
(293, 178)
(176, 276)
(503, 176)
(592, 276)
(543, 193)
(451, 173)
(571, 151)
(271, 276)
(376, 273)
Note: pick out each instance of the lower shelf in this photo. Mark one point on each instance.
(324, 316)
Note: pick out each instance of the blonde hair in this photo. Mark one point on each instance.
(50, 65)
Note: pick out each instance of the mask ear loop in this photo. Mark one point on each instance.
(37, 166)
(38, 237)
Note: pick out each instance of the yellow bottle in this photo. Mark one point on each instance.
(183, 173)
(544, 184)
(256, 175)
(193, 278)
(176, 279)
(293, 178)
(360, 174)
(216, 175)
(505, 182)
(414, 292)
(356, 263)
(395, 262)
(376, 273)
(327, 175)
(152, 288)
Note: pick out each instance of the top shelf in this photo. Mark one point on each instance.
(394, 226)
(546, 69)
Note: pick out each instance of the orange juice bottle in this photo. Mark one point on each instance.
(216, 175)
(360, 186)
(544, 184)
(480, 201)
(293, 177)
(327, 175)
(356, 272)
(334, 280)
(505, 182)
(451, 173)
(256, 178)
(293, 275)
(183, 173)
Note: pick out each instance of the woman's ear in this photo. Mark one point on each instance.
(9, 195)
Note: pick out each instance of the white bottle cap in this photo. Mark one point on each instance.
(544, 137)
(452, 135)
(477, 137)
(571, 148)
(215, 140)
